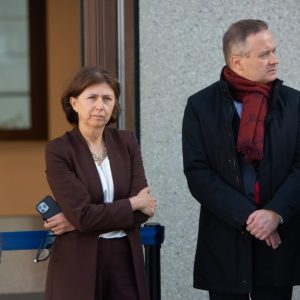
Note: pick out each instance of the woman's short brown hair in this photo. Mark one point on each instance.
(84, 78)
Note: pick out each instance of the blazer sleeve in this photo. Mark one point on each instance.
(204, 183)
(75, 200)
(138, 180)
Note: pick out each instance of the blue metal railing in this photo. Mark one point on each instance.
(152, 235)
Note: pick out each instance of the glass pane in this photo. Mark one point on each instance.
(14, 65)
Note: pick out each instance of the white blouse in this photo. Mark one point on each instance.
(108, 194)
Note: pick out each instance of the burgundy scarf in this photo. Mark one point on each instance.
(254, 97)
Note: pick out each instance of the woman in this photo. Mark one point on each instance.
(96, 174)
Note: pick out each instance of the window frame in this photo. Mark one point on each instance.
(38, 77)
(99, 26)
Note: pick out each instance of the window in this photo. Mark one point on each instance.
(23, 73)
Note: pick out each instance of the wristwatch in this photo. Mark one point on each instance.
(280, 220)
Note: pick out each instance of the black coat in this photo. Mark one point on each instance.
(227, 258)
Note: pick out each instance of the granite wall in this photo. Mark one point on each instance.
(181, 53)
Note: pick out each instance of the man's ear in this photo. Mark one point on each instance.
(235, 62)
(73, 102)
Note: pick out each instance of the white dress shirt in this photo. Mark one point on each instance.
(108, 194)
(239, 107)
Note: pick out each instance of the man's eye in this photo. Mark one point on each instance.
(265, 55)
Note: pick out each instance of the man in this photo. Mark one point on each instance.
(241, 153)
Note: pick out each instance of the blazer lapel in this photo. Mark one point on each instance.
(115, 158)
(88, 166)
(119, 163)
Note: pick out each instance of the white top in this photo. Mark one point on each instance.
(108, 194)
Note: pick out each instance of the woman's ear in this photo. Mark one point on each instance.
(73, 102)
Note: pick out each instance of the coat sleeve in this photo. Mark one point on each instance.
(138, 179)
(206, 186)
(286, 200)
(75, 200)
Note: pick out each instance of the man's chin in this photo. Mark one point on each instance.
(269, 79)
(272, 75)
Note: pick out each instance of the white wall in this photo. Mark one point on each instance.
(180, 53)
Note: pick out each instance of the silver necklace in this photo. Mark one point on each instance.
(100, 157)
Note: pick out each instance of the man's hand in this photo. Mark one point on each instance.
(273, 240)
(261, 223)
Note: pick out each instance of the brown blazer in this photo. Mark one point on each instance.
(75, 183)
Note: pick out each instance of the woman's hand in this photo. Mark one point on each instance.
(58, 224)
(144, 202)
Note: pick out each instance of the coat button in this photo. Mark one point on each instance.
(244, 282)
(242, 232)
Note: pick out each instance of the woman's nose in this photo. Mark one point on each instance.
(99, 103)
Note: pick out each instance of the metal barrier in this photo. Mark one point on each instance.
(152, 237)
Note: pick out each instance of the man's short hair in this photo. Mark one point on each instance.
(235, 37)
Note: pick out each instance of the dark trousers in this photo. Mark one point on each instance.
(115, 275)
(259, 293)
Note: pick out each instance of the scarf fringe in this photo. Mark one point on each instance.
(249, 151)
